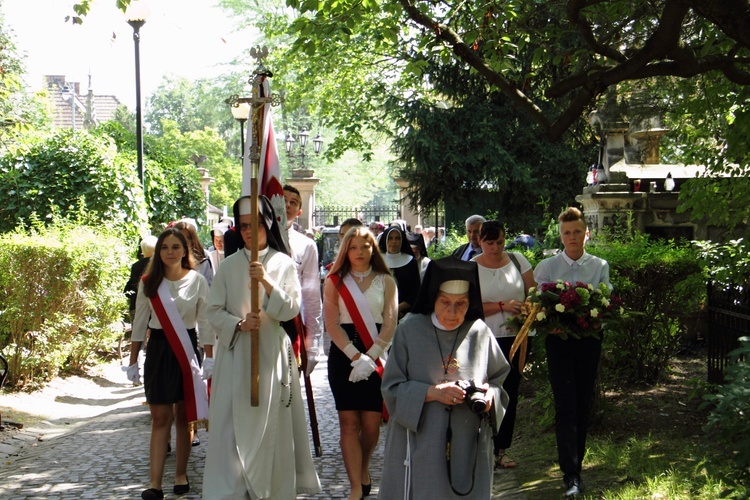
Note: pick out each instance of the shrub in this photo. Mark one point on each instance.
(454, 237)
(728, 421)
(60, 298)
(664, 284)
(74, 172)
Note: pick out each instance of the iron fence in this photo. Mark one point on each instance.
(728, 320)
(333, 215)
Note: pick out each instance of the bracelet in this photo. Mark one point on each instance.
(501, 304)
(350, 351)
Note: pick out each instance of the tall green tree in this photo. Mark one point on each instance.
(18, 110)
(569, 51)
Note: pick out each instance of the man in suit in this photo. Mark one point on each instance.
(472, 248)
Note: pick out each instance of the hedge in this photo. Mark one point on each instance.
(61, 299)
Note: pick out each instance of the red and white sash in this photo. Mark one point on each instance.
(194, 387)
(359, 310)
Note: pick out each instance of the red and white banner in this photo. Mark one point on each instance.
(269, 172)
(269, 175)
(194, 387)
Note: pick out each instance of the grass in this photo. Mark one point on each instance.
(648, 445)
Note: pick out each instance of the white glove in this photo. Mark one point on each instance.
(312, 360)
(362, 368)
(208, 368)
(133, 372)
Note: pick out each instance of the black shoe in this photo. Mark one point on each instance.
(181, 489)
(575, 487)
(152, 494)
(196, 441)
(366, 489)
(169, 447)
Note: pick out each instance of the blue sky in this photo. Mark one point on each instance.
(189, 38)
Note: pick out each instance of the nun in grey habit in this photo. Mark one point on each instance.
(437, 445)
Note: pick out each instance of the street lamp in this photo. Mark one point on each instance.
(302, 137)
(136, 14)
(240, 112)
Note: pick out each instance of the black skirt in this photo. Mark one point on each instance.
(162, 376)
(360, 396)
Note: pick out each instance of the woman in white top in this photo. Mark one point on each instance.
(505, 279)
(361, 310)
(163, 379)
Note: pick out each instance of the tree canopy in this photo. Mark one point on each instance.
(553, 60)
(567, 51)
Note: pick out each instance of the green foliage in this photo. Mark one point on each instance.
(60, 298)
(454, 237)
(79, 173)
(174, 149)
(727, 262)
(728, 422)
(477, 141)
(172, 182)
(17, 109)
(664, 284)
(709, 123)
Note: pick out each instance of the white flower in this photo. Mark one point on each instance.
(540, 316)
(559, 308)
(605, 302)
(559, 286)
(594, 313)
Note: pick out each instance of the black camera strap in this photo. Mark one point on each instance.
(448, 453)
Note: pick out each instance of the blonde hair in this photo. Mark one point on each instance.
(342, 265)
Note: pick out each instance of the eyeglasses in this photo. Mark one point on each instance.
(245, 226)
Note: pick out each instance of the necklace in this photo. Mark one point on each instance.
(450, 364)
(361, 276)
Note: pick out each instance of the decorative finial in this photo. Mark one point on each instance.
(259, 53)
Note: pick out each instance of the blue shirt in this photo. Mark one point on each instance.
(588, 269)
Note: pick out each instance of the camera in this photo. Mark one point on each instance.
(475, 396)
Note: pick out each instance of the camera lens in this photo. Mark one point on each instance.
(477, 402)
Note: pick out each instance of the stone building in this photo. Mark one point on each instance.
(633, 184)
(71, 109)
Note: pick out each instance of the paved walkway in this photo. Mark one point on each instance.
(95, 445)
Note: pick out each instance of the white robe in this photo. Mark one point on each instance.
(253, 452)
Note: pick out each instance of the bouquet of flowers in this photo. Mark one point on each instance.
(574, 310)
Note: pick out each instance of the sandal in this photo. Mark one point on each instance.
(503, 461)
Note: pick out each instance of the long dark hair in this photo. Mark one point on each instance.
(194, 243)
(155, 270)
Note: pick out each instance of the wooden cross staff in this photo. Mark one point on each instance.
(254, 145)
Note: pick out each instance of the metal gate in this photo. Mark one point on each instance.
(728, 320)
(333, 215)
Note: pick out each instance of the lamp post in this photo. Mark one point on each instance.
(136, 14)
(240, 112)
(302, 137)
